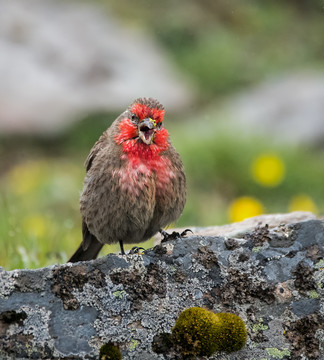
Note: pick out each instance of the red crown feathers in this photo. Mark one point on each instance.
(143, 111)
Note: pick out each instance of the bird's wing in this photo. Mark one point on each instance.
(95, 149)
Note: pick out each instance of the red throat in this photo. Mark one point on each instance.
(143, 158)
(136, 149)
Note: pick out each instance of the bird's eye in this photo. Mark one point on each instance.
(134, 117)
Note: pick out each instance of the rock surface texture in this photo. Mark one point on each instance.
(272, 276)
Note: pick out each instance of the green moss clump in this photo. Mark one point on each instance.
(109, 352)
(199, 332)
(231, 333)
(195, 332)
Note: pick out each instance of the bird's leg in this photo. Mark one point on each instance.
(174, 235)
(122, 247)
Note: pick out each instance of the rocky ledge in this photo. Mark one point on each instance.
(271, 275)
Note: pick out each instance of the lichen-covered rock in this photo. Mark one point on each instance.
(272, 276)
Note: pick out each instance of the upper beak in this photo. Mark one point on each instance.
(146, 130)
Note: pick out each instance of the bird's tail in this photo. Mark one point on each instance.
(88, 249)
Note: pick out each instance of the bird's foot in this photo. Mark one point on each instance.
(185, 232)
(174, 235)
(136, 250)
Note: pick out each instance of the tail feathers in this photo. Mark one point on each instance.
(89, 248)
(89, 254)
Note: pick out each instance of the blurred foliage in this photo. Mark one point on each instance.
(221, 46)
(220, 168)
(39, 212)
(227, 44)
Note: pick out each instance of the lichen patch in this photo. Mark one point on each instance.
(67, 280)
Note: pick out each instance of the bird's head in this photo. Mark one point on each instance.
(141, 126)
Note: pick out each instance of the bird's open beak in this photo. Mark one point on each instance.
(146, 130)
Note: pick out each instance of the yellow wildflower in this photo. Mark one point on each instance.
(268, 170)
(302, 202)
(245, 207)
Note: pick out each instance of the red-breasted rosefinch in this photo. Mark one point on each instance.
(135, 183)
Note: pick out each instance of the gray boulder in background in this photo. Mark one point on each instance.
(288, 108)
(272, 276)
(62, 59)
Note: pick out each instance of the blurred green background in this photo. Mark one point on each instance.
(222, 47)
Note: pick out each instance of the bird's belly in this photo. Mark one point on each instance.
(137, 175)
(132, 180)
(133, 205)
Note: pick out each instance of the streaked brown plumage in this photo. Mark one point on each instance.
(135, 183)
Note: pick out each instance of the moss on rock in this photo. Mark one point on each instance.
(200, 332)
(195, 332)
(231, 332)
(109, 352)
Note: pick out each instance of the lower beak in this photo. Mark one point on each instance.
(146, 130)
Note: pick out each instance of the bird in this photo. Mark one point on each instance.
(135, 183)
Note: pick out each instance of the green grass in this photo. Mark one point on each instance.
(39, 212)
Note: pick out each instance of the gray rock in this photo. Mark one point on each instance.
(70, 311)
(236, 230)
(306, 307)
(288, 108)
(62, 59)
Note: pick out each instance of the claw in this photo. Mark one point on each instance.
(135, 250)
(173, 236)
(185, 232)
